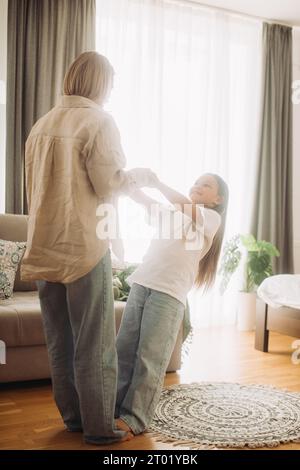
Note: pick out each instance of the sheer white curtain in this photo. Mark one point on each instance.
(186, 99)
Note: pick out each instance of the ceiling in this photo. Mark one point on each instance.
(282, 11)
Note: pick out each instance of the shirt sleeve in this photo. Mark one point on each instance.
(106, 161)
(207, 222)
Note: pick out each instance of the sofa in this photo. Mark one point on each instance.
(21, 325)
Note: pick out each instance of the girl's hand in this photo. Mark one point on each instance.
(142, 177)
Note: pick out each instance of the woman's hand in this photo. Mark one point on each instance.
(141, 178)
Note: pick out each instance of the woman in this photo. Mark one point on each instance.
(74, 160)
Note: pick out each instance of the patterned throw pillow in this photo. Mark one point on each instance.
(10, 256)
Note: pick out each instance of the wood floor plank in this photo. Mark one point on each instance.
(29, 418)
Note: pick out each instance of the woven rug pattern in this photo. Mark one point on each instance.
(222, 415)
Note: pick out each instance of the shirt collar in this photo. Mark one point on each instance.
(75, 101)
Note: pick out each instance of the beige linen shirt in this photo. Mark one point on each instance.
(73, 162)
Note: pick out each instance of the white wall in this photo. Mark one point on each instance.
(296, 108)
(3, 47)
(287, 11)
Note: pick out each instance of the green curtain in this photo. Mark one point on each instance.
(272, 217)
(44, 37)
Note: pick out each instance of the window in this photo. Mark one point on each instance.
(186, 99)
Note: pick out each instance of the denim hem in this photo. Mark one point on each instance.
(104, 440)
(128, 420)
(74, 429)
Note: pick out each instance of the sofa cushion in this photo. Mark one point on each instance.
(14, 227)
(20, 320)
(11, 254)
(23, 286)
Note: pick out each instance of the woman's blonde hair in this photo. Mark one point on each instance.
(90, 75)
(208, 264)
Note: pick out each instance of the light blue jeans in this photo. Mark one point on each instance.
(145, 342)
(79, 325)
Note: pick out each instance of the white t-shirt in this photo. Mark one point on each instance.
(170, 264)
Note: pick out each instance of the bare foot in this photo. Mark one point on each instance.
(128, 436)
(120, 424)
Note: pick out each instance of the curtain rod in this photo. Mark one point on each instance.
(231, 12)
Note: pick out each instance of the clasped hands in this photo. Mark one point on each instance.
(144, 177)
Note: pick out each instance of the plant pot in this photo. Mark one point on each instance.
(246, 311)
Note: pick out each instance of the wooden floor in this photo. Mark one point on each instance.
(29, 418)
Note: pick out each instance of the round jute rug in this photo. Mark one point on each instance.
(213, 415)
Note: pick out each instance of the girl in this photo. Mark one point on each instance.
(157, 300)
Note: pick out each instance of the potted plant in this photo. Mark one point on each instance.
(256, 257)
(120, 287)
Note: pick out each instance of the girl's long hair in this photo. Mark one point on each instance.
(208, 264)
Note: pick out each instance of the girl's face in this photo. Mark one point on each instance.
(205, 191)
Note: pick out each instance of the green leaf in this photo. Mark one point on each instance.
(117, 282)
(120, 282)
(116, 292)
(268, 248)
(249, 242)
(229, 262)
(258, 264)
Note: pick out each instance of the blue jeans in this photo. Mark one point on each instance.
(145, 342)
(79, 325)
